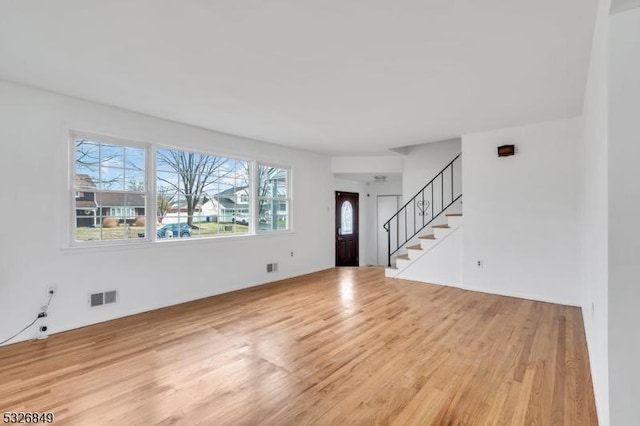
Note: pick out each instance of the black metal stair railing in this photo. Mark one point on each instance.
(430, 202)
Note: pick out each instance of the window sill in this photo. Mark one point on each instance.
(191, 241)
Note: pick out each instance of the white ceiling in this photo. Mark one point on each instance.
(333, 76)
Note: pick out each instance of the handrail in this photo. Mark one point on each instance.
(420, 209)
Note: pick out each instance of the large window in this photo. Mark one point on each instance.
(128, 192)
(273, 198)
(203, 194)
(109, 190)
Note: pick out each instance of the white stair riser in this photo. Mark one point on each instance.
(388, 272)
(426, 243)
(403, 263)
(440, 233)
(414, 254)
(454, 221)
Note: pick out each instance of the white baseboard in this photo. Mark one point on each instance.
(536, 298)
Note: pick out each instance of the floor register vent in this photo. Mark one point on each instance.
(103, 298)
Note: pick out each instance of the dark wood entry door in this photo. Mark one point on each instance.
(347, 229)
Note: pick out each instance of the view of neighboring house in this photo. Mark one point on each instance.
(230, 205)
(272, 203)
(93, 205)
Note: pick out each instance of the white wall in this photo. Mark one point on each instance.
(520, 212)
(424, 161)
(379, 165)
(624, 210)
(593, 213)
(34, 141)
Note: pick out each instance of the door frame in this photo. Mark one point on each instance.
(356, 227)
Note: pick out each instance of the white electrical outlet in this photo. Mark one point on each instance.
(480, 263)
(43, 332)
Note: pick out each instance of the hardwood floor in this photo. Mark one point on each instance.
(343, 346)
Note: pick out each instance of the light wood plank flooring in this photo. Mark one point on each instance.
(343, 346)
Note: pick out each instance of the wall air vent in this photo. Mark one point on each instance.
(272, 267)
(110, 297)
(103, 298)
(97, 299)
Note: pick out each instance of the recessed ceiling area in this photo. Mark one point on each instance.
(372, 178)
(336, 77)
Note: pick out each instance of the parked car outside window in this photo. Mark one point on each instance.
(171, 230)
(176, 230)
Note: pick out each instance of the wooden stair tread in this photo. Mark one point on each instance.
(440, 226)
(404, 256)
(416, 247)
(427, 237)
(453, 214)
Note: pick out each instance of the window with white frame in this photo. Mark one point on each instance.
(196, 194)
(200, 193)
(273, 198)
(109, 190)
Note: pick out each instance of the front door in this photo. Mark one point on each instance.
(347, 229)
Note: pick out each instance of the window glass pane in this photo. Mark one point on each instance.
(346, 218)
(280, 182)
(112, 155)
(134, 158)
(87, 176)
(134, 180)
(166, 161)
(273, 215)
(105, 175)
(86, 217)
(272, 182)
(273, 190)
(202, 192)
(111, 179)
(273, 212)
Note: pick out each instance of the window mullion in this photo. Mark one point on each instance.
(253, 197)
(152, 195)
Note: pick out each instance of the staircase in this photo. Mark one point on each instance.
(421, 248)
(436, 258)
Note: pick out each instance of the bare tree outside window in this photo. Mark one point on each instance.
(114, 180)
(164, 201)
(109, 189)
(196, 173)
